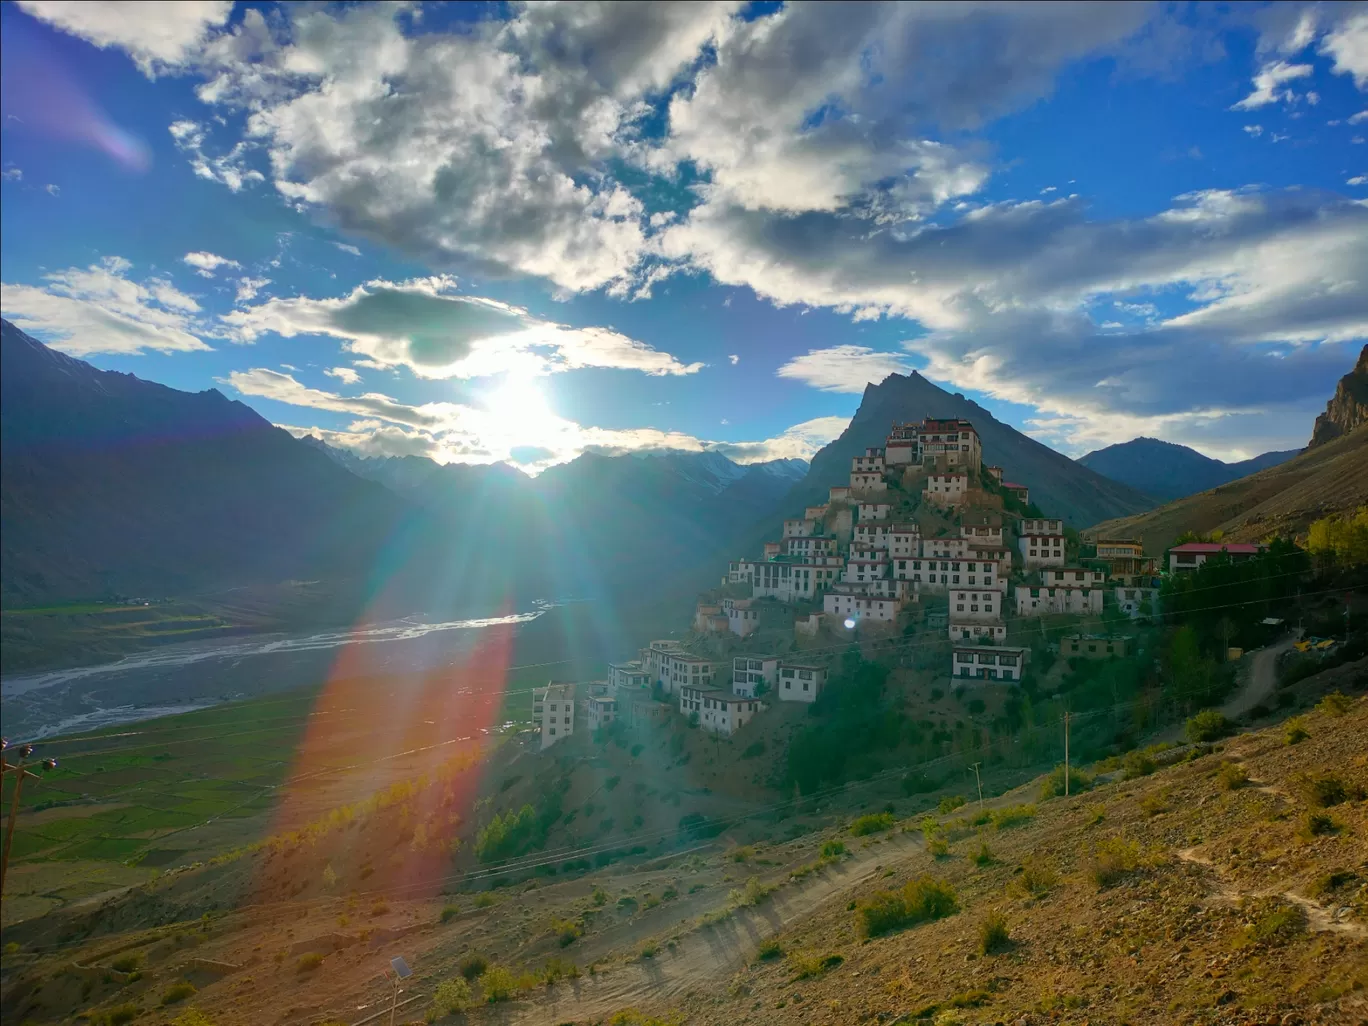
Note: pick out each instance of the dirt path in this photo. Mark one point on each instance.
(705, 957)
(1261, 683)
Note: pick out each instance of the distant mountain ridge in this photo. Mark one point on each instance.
(1169, 471)
(1061, 487)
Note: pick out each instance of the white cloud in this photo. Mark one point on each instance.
(155, 33)
(734, 358)
(500, 430)
(344, 374)
(1270, 83)
(1254, 130)
(428, 326)
(1347, 45)
(1359, 118)
(248, 287)
(844, 368)
(12, 174)
(346, 247)
(206, 264)
(99, 309)
(53, 190)
(229, 169)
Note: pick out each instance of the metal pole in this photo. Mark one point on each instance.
(394, 1001)
(979, 780)
(20, 774)
(1066, 754)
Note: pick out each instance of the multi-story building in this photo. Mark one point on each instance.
(872, 535)
(1124, 558)
(801, 528)
(1041, 543)
(742, 616)
(720, 712)
(1040, 601)
(1072, 577)
(1183, 558)
(816, 545)
(966, 604)
(946, 489)
(945, 548)
(865, 483)
(904, 540)
(653, 658)
(938, 575)
(976, 630)
(861, 605)
(815, 512)
(773, 549)
(1092, 646)
(903, 447)
(1134, 602)
(950, 443)
(684, 668)
(858, 571)
(838, 493)
(1020, 492)
(994, 472)
(553, 707)
(983, 529)
(601, 710)
(875, 510)
(752, 675)
(987, 662)
(638, 710)
(792, 581)
(708, 617)
(872, 462)
(800, 682)
(628, 676)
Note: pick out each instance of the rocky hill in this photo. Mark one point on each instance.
(1168, 471)
(1061, 487)
(1348, 408)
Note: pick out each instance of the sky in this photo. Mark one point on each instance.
(486, 232)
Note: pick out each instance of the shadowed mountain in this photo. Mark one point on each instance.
(113, 485)
(1059, 485)
(1168, 471)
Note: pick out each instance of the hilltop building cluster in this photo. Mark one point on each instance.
(921, 533)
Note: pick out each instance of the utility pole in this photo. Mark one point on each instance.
(979, 780)
(21, 773)
(1066, 753)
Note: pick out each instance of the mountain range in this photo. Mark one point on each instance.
(1168, 471)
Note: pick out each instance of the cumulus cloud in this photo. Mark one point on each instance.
(529, 435)
(428, 326)
(347, 247)
(1347, 45)
(844, 368)
(228, 169)
(12, 174)
(207, 264)
(248, 287)
(1270, 85)
(344, 374)
(155, 33)
(101, 309)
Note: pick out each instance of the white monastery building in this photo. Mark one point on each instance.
(554, 708)
(987, 662)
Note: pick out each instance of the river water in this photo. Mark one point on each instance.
(195, 675)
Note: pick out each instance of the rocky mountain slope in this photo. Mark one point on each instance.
(1061, 487)
(1348, 408)
(1168, 471)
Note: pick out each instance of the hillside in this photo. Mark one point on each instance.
(1168, 471)
(1324, 479)
(1059, 485)
(1348, 407)
(112, 485)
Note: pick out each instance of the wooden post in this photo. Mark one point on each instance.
(1066, 753)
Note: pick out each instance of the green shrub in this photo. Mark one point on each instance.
(308, 962)
(449, 912)
(1294, 731)
(754, 893)
(1013, 815)
(1137, 764)
(1277, 925)
(1233, 776)
(452, 996)
(124, 963)
(1207, 725)
(805, 967)
(194, 1017)
(769, 951)
(1113, 860)
(473, 966)
(833, 849)
(984, 855)
(742, 854)
(1322, 790)
(122, 1014)
(599, 897)
(993, 935)
(874, 823)
(919, 901)
(498, 984)
(559, 969)
(938, 848)
(485, 900)
(1053, 784)
(1335, 704)
(567, 931)
(1318, 824)
(1037, 879)
(178, 992)
(950, 803)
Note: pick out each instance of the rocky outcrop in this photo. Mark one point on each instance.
(1349, 407)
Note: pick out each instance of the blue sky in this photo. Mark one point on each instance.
(493, 232)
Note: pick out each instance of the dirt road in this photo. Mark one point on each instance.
(1262, 681)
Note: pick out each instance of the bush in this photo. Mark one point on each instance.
(805, 967)
(1322, 790)
(938, 848)
(473, 966)
(1318, 824)
(874, 823)
(484, 900)
(919, 901)
(769, 951)
(1233, 776)
(567, 931)
(178, 992)
(1207, 725)
(1137, 764)
(754, 893)
(122, 964)
(833, 849)
(1013, 816)
(993, 935)
(743, 854)
(950, 803)
(599, 897)
(1113, 860)
(1277, 925)
(984, 855)
(192, 1017)
(498, 983)
(1294, 731)
(308, 962)
(449, 912)
(1036, 879)
(1053, 784)
(1335, 704)
(119, 1015)
(559, 969)
(452, 996)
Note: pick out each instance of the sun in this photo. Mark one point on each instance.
(518, 411)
